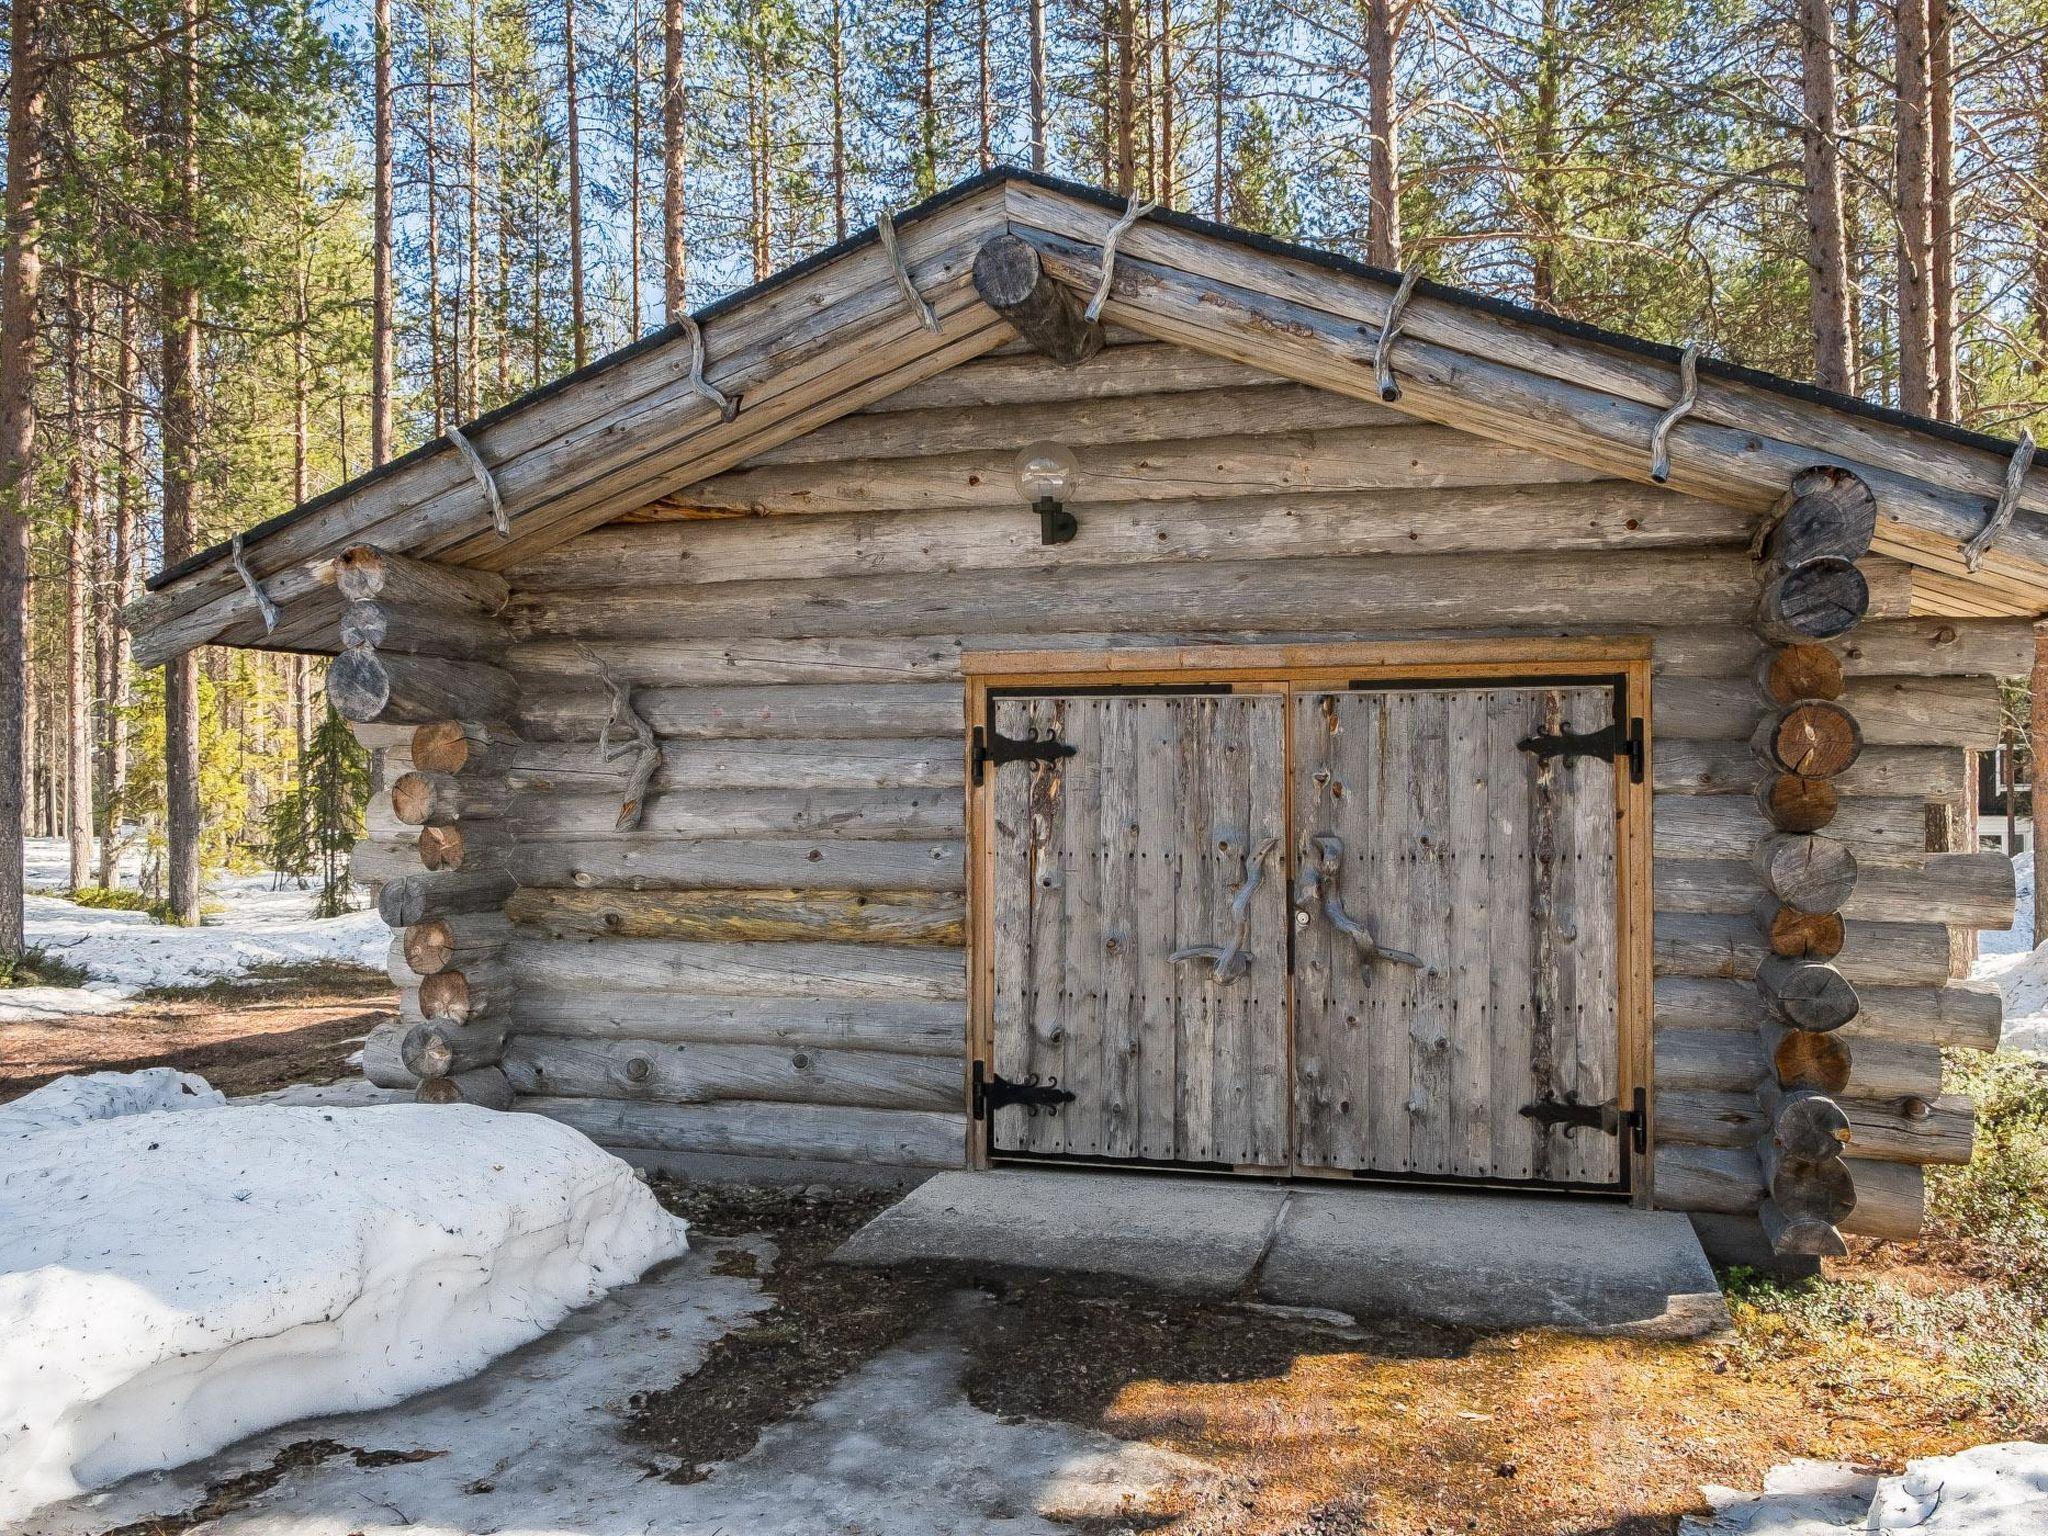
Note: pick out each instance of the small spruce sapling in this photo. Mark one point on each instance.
(314, 824)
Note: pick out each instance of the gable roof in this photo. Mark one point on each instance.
(834, 333)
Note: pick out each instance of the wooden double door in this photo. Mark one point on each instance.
(1348, 928)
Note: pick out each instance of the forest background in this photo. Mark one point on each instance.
(254, 247)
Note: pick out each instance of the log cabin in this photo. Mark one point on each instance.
(1052, 681)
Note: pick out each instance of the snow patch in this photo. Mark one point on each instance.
(175, 1282)
(257, 924)
(1989, 1490)
(2009, 961)
(106, 1096)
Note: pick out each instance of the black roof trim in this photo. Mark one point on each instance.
(1505, 309)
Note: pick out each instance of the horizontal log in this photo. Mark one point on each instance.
(369, 687)
(1963, 890)
(1398, 456)
(486, 1087)
(1730, 768)
(445, 1048)
(418, 898)
(1899, 647)
(1962, 1014)
(459, 939)
(863, 917)
(1025, 378)
(1012, 282)
(363, 572)
(698, 1074)
(423, 799)
(1803, 1058)
(910, 1026)
(1815, 738)
(373, 860)
(760, 970)
(811, 1132)
(1799, 935)
(1801, 1123)
(1873, 1130)
(1874, 954)
(1826, 511)
(759, 813)
(1785, 674)
(1807, 994)
(919, 763)
(1801, 1233)
(1810, 871)
(795, 712)
(459, 747)
(1890, 1198)
(1647, 588)
(1738, 1061)
(659, 864)
(1889, 711)
(1606, 515)
(1876, 831)
(383, 1058)
(468, 992)
(1809, 1190)
(1923, 647)
(422, 631)
(1791, 803)
(471, 845)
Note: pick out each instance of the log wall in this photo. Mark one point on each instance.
(769, 961)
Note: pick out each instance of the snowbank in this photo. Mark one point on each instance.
(106, 1096)
(125, 952)
(1989, 1490)
(2008, 960)
(178, 1281)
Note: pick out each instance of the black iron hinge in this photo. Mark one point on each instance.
(1608, 1119)
(992, 749)
(1612, 740)
(993, 1091)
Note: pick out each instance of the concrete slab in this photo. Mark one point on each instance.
(1199, 1237)
(1479, 1260)
(1493, 1261)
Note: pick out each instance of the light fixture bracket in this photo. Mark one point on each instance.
(1056, 525)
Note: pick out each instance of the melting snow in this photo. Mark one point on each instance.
(255, 924)
(2020, 972)
(174, 1282)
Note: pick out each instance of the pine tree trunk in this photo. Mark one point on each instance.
(839, 118)
(1383, 165)
(20, 284)
(180, 431)
(984, 99)
(1827, 246)
(77, 693)
(470, 384)
(1126, 97)
(1036, 21)
(636, 65)
(1941, 182)
(430, 164)
(380, 289)
(1169, 145)
(1218, 84)
(579, 336)
(674, 154)
(1914, 193)
(128, 448)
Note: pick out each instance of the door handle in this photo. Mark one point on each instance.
(1232, 960)
(1322, 865)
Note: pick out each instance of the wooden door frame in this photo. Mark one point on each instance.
(1258, 667)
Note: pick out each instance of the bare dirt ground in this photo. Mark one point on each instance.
(296, 1026)
(1311, 1426)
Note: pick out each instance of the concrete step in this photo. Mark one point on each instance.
(1482, 1260)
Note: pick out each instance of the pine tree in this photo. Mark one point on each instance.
(313, 825)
